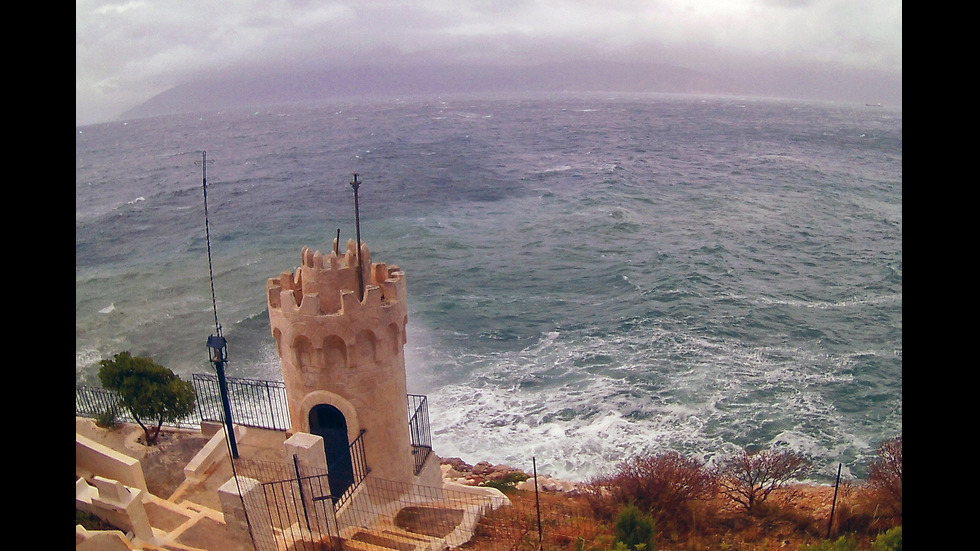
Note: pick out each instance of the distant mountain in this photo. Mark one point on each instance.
(271, 89)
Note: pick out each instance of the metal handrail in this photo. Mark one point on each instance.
(359, 467)
(418, 427)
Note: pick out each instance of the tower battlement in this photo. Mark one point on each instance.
(328, 284)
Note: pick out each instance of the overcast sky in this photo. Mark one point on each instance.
(127, 51)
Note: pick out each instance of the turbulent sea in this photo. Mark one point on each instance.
(590, 277)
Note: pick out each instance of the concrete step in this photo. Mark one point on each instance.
(388, 539)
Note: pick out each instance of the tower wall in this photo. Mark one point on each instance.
(349, 353)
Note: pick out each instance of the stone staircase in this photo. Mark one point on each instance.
(433, 525)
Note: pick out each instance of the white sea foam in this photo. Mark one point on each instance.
(577, 428)
(85, 358)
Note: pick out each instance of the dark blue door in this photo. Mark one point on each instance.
(329, 423)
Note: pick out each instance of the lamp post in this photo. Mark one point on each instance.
(218, 347)
(357, 225)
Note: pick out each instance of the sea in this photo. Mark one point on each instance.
(591, 277)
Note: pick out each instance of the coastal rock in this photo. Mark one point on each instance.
(449, 473)
(456, 470)
(495, 472)
(482, 468)
(549, 484)
(457, 464)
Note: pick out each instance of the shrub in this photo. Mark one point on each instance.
(749, 478)
(885, 476)
(502, 485)
(515, 477)
(889, 541)
(858, 517)
(109, 418)
(843, 543)
(635, 529)
(667, 485)
(506, 484)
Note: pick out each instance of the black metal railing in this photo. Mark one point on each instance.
(254, 402)
(418, 427)
(296, 501)
(93, 401)
(359, 470)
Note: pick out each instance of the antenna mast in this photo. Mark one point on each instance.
(357, 225)
(207, 233)
(217, 345)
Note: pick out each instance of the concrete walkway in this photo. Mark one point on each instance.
(185, 469)
(183, 472)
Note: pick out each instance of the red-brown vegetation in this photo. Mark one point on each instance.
(695, 511)
(675, 490)
(748, 478)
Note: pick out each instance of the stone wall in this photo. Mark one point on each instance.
(92, 458)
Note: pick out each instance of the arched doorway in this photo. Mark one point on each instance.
(329, 423)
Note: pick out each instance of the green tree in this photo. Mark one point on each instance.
(151, 392)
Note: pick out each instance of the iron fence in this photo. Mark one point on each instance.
(358, 471)
(92, 401)
(95, 402)
(254, 402)
(295, 505)
(418, 426)
(556, 522)
(293, 510)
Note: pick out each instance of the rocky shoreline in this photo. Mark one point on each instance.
(456, 470)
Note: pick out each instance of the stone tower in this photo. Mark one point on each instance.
(342, 357)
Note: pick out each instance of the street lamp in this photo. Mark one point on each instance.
(218, 347)
(354, 184)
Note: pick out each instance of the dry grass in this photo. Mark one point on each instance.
(567, 522)
(692, 511)
(793, 517)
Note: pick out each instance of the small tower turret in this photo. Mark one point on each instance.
(343, 360)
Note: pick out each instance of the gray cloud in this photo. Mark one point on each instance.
(130, 50)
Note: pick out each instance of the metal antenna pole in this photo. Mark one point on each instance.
(357, 225)
(207, 233)
(217, 344)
